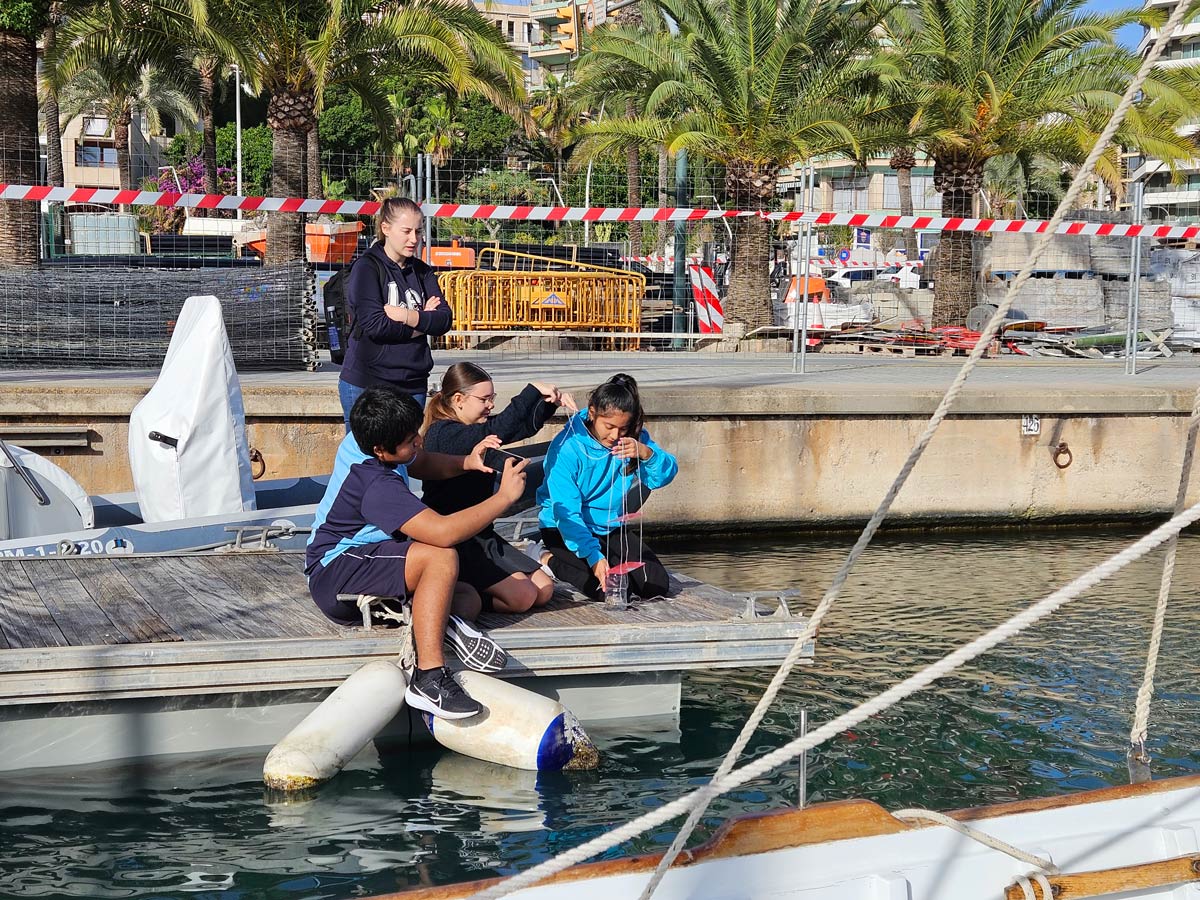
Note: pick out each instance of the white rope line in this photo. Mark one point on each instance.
(1141, 715)
(864, 711)
(1045, 865)
(406, 659)
(931, 427)
(1027, 890)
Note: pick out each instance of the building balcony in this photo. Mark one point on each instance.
(550, 53)
(548, 12)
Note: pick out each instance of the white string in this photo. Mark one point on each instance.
(859, 714)
(989, 332)
(615, 487)
(1141, 715)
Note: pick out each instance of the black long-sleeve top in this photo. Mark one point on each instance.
(521, 419)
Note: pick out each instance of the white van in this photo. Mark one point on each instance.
(908, 275)
(843, 279)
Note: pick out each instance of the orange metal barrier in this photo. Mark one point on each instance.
(518, 291)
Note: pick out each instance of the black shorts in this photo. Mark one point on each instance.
(487, 559)
(374, 569)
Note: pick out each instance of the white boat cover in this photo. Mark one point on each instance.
(70, 507)
(197, 401)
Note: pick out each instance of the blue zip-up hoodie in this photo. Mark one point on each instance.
(381, 351)
(585, 485)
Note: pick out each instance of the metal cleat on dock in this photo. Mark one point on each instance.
(257, 538)
(781, 611)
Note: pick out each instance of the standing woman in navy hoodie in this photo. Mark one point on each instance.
(395, 303)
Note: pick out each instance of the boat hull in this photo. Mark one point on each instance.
(1134, 841)
(285, 513)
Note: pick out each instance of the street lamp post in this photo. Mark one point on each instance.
(237, 128)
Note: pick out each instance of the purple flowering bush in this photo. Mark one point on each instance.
(169, 219)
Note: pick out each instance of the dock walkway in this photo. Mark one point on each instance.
(81, 629)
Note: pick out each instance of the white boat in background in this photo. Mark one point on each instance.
(191, 464)
(75, 524)
(1135, 841)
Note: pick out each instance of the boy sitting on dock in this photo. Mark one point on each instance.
(371, 535)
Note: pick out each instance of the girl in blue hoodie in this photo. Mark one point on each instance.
(599, 470)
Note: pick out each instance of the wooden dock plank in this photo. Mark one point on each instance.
(121, 601)
(190, 617)
(277, 587)
(243, 622)
(73, 609)
(23, 617)
(240, 613)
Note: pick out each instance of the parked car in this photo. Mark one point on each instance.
(908, 275)
(842, 281)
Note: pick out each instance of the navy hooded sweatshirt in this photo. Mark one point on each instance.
(381, 351)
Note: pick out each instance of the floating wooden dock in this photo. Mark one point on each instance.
(85, 636)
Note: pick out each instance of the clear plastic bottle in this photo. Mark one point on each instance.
(616, 592)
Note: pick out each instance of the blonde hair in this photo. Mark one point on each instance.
(458, 378)
(390, 209)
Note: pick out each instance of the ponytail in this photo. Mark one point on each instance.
(620, 394)
(457, 380)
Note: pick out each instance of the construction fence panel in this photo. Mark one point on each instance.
(681, 280)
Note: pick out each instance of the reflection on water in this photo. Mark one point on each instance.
(1048, 713)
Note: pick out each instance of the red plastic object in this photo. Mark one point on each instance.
(625, 568)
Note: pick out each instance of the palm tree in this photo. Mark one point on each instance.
(902, 161)
(20, 24)
(633, 17)
(556, 112)
(753, 85)
(400, 143)
(438, 134)
(124, 87)
(593, 90)
(298, 48)
(995, 77)
(48, 97)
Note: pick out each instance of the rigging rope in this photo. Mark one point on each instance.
(989, 332)
(1138, 757)
(975, 834)
(864, 711)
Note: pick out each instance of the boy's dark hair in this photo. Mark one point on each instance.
(384, 417)
(620, 394)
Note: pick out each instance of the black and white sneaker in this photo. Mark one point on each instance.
(437, 693)
(476, 650)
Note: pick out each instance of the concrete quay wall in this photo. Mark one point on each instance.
(751, 455)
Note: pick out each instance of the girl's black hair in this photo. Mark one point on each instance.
(620, 394)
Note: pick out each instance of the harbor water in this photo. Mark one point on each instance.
(1048, 713)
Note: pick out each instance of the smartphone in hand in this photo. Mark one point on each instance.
(494, 458)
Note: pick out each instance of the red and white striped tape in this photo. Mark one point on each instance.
(658, 259)
(710, 317)
(110, 196)
(357, 207)
(835, 263)
(1010, 226)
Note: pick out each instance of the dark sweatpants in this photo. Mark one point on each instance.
(649, 581)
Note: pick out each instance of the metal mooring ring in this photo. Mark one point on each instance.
(1062, 455)
(259, 465)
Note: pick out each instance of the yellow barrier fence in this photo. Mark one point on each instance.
(517, 291)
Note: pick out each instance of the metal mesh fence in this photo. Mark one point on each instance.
(111, 276)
